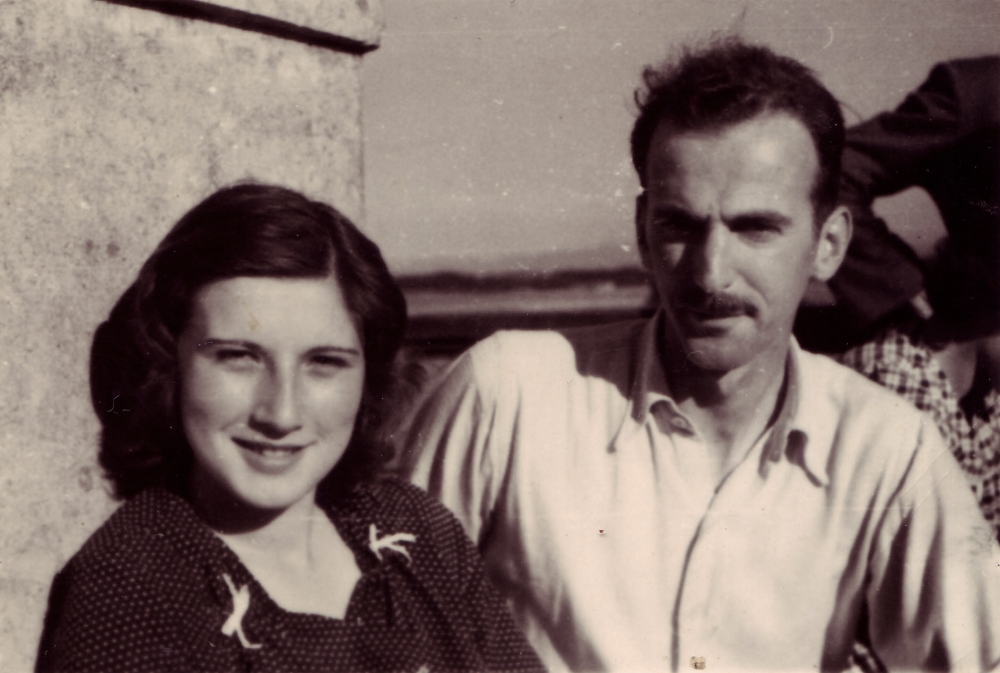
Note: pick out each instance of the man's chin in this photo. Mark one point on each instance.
(715, 353)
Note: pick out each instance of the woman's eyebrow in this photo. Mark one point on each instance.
(347, 350)
(228, 342)
(336, 349)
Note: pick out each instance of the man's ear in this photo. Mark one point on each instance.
(834, 237)
(640, 229)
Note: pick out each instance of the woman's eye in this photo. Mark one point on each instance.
(235, 356)
(330, 361)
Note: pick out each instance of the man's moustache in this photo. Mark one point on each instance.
(714, 305)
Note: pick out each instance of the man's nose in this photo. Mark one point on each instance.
(277, 406)
(711, 259)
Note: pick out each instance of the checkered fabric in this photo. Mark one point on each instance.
(904, 364)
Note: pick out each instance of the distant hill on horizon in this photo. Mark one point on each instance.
(499, 282)
(533, 264)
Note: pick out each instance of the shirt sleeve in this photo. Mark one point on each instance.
(455, 444)
(934, 592)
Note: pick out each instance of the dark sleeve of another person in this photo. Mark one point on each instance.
(909, 146)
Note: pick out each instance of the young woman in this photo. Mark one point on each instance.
(241, 384)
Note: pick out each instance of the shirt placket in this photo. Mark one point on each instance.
(688, 503)
(693, 624)
(702, 503)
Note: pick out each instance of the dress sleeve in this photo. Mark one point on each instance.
(456, 443)
(934, 592)
(478, 609)
(502, 643)
(106, 614)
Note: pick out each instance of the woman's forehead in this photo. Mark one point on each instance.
(285, 311)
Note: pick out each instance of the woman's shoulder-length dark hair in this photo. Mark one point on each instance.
(244, 230)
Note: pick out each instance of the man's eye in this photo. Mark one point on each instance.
(677, 227)
(758, 231)
(756, 226)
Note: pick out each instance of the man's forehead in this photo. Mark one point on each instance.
(771, 131)
(763, 149)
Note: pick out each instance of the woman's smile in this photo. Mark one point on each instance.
(269, 458)
(265, 448)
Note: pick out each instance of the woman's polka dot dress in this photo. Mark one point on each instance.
(155, 590)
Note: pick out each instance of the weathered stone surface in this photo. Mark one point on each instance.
(113, 122)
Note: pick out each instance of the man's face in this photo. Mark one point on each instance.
(726, 226)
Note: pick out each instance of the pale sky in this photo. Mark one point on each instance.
(496, 131)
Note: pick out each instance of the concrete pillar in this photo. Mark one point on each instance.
(115, 118)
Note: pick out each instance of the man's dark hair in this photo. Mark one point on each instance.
(246, 230)
(729, 82)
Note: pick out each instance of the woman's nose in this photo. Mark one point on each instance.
(276, 409)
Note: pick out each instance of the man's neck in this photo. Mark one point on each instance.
(731, 409)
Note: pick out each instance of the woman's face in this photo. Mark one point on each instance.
(271, 376)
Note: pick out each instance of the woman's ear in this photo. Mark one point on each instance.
(831, 248)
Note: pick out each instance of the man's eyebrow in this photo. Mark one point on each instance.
(771, 217)
(672, 210)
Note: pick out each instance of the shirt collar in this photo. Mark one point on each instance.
(651, 383)
(802, 432)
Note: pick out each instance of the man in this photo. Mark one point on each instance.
(695, 491)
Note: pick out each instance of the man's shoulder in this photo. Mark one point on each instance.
(844, 382)
(550, 349)
(599, 337)
(837, 391)
(863, 437)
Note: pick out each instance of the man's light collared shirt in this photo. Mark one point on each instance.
(565, 457)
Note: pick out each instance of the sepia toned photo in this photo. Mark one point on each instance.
(500, 335)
